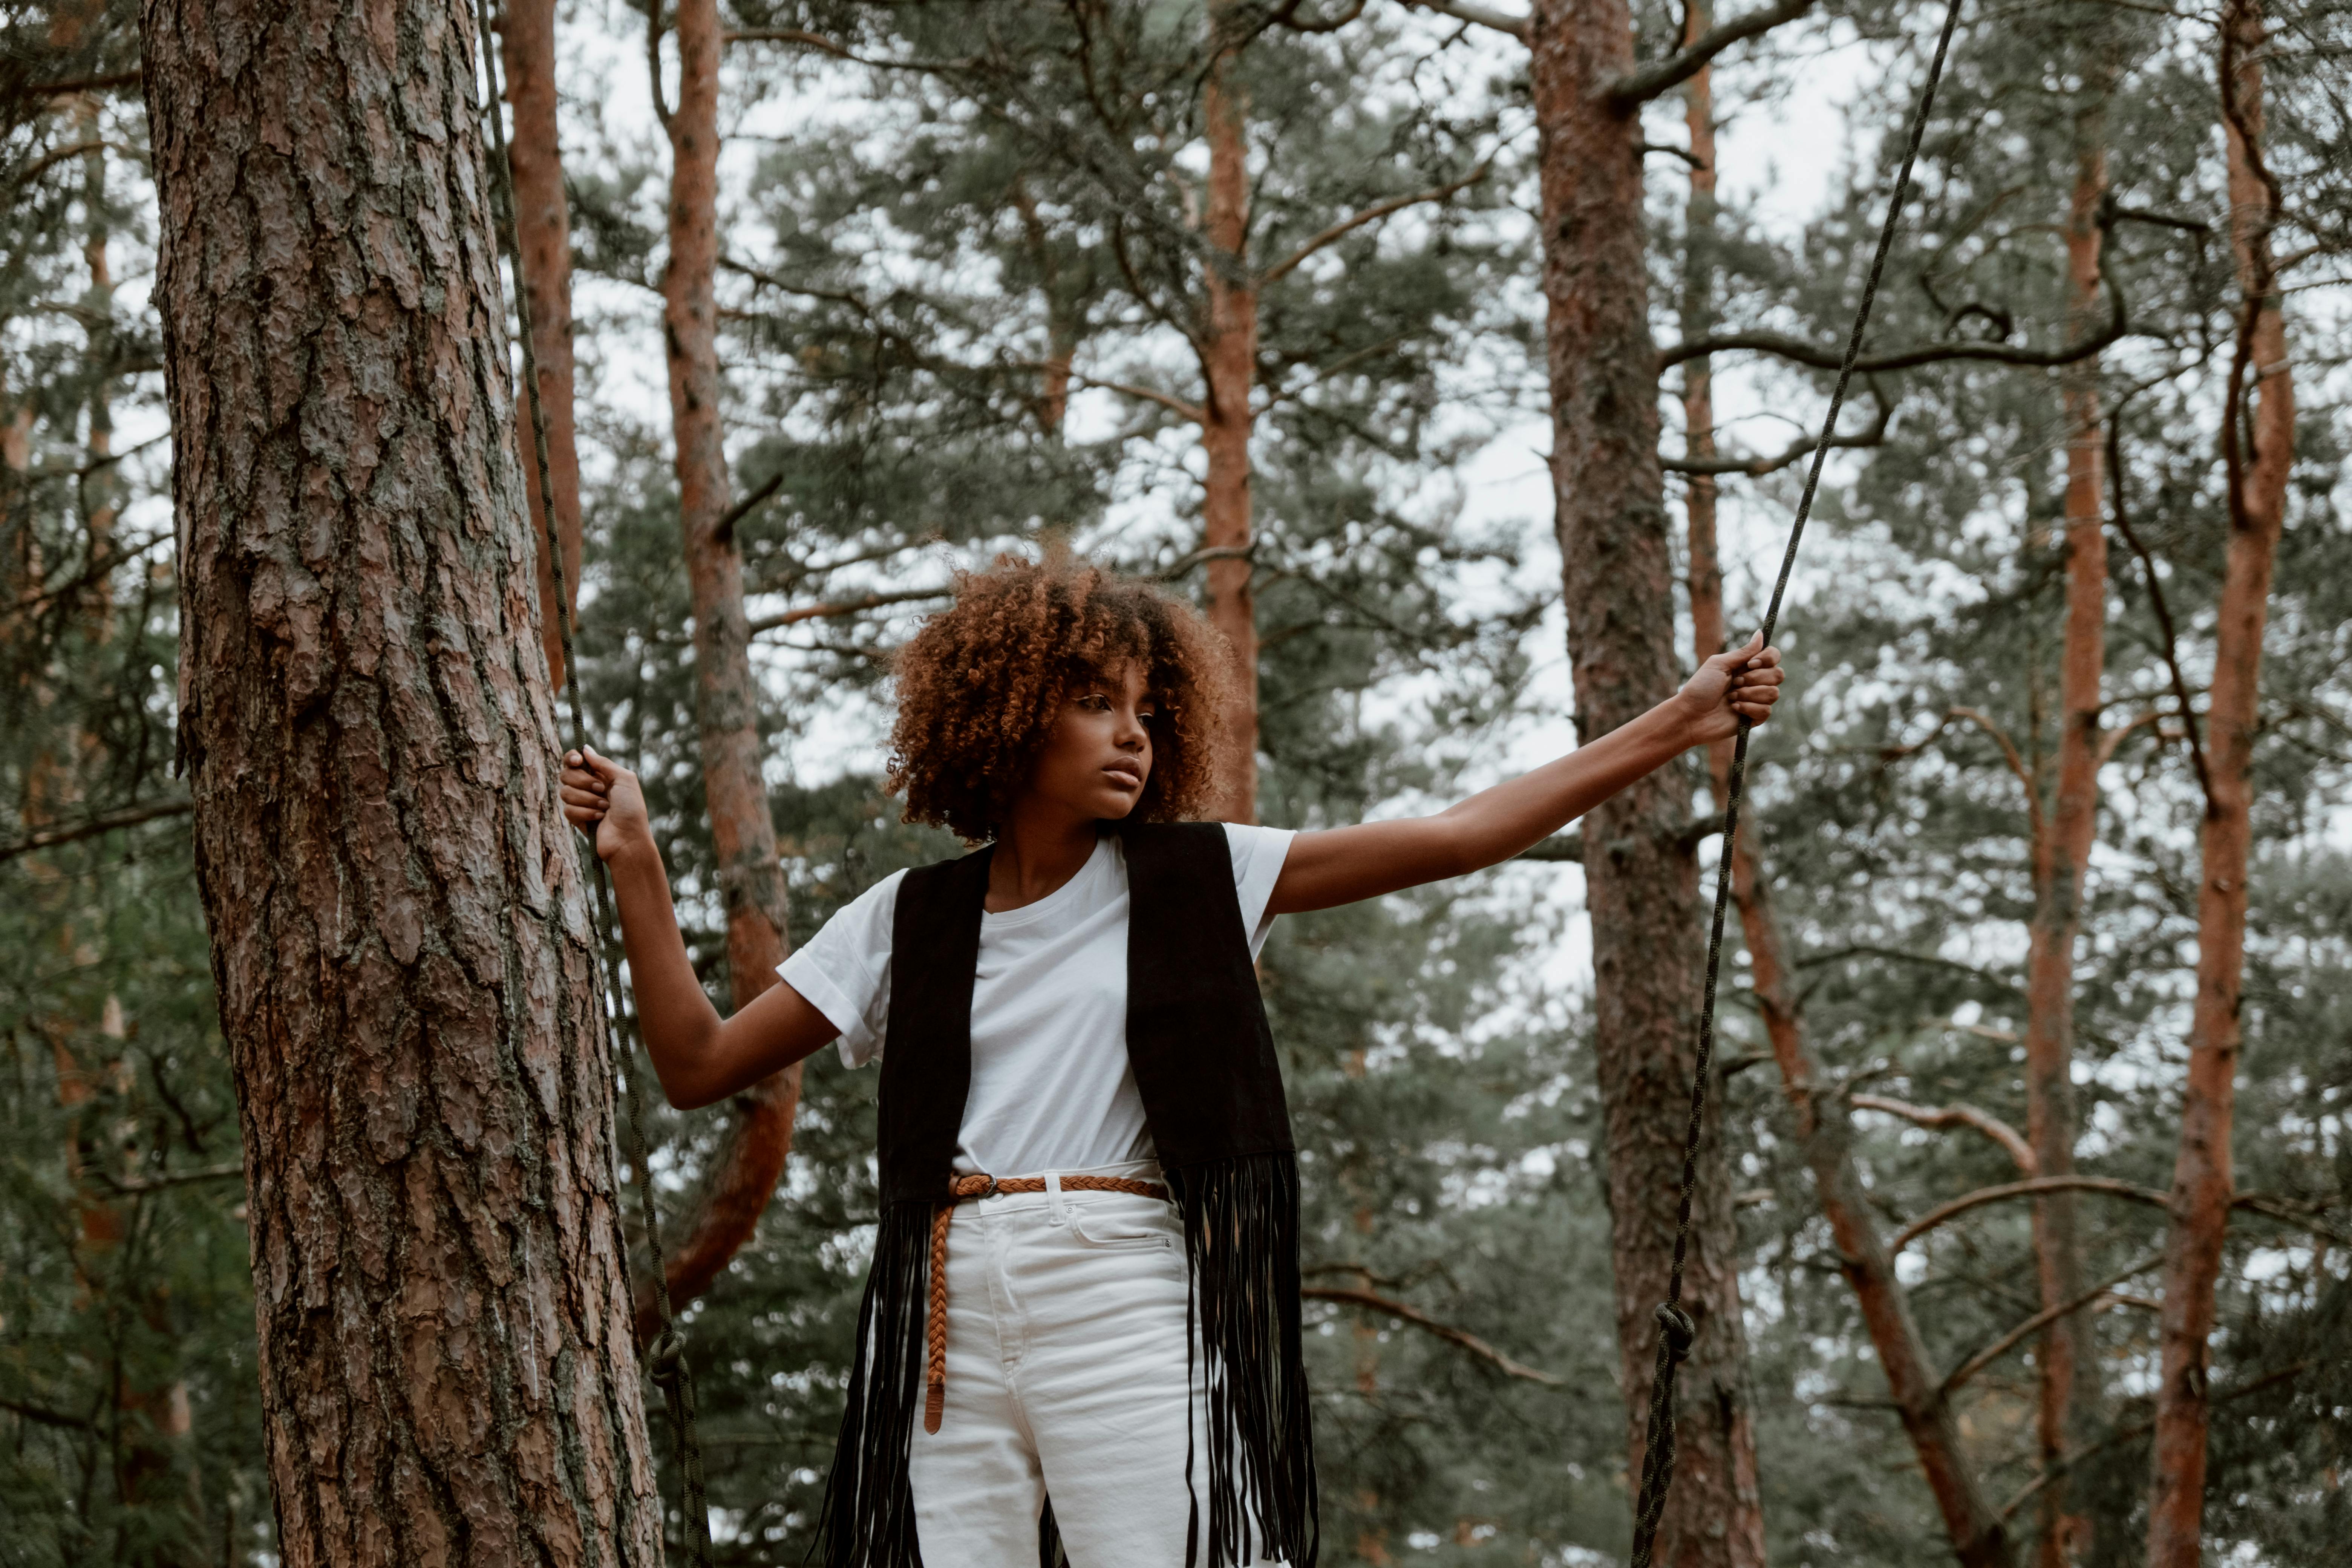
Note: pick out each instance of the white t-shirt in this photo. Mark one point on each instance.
(1051, 1087)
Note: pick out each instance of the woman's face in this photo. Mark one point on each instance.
(1098, 756)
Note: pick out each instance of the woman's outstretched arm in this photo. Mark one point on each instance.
(700, 1058)
(1342, 865)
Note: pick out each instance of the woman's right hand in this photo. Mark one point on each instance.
(603, 799)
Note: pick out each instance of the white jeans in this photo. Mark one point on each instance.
(1066, 1340)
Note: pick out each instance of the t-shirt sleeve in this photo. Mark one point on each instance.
(1258, 853)
(843, 971)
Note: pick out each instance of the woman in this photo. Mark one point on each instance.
(1085, 1275)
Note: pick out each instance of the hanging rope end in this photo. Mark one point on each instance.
(934, 1407)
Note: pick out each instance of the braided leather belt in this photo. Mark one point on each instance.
(935, 1395)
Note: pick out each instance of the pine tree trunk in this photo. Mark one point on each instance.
(1229, 362)
(2066, 1370)
(2258, 451)
(726, 696)
(543, 237)
(1618, 577)
(400, 940)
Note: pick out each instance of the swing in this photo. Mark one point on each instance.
(666, 1358)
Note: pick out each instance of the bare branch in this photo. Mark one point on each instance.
(1561, 847)
(2020, 1152)
(2040, 1320)
(824, 44)
(1829, 358)
(845, 607)
(2136, 1431)
(724, 530)
(1638, 86)
(1476, 16)
(112, 82)
(1378, 210)
(106, 822)
(1288, 18)
(1871, 949)
(2032, 1186)
(236, 1168)
(1757, 467)
(2186, 710)
(1420, 1319)
(1174, 403)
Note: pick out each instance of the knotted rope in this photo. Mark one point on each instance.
(666, 1357)
(935, 1327)
(1676, 1328)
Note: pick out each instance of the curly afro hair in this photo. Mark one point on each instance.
(985, 680)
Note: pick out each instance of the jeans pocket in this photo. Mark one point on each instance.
(1109, 1233)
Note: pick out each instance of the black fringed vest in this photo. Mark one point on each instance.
(1204, 1063)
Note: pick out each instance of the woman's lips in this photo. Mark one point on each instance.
(1125, 773)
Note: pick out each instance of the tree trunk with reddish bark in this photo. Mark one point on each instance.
(2066, 1369)
(400, 941)
(2258, 448)
(543, 239)
(1617, 573)
(1228, 351)
(726, 694)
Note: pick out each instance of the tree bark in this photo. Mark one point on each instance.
(2066, 1369)
(2258, 446)
(1229, 364)
(543, 239)
(727, 695)
(400, 942)
(1618, 581)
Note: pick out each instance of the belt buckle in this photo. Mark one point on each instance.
(992, 1191)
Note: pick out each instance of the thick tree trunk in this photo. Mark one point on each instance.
(1618, 577)
(400, 942)
(1229, 363)
(2260, 454)
(727, 695)
(2066, 1368)
(543, 237)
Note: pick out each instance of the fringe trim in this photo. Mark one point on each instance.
(868, 1519)
(1241, 1236)
(1241, 1240)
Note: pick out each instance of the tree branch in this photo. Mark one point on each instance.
(2034, 1324)
(2032, 1186)
(1476, 16)
(724, 530)
(111, 82)
(1821, 358)
(1757, 467)
(1871, 949)
(106, 822)
(173, 1178)
(2157, 601)
(824, 44)
(845, 607)
(1378, 210)
(1168, 401)
(1940, 1117)
(1638, 86)
(1420, 1319)
(1288, 18)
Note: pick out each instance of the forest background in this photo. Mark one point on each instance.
(1252, 300)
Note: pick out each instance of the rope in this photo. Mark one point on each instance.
(666, 1357)
(1676, 1328)
(935, 1326)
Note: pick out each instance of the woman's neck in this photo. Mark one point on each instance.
(1037, 851)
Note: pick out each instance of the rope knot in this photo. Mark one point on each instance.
(1679, 1331)
(666, 1357)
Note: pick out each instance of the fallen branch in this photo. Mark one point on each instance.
(1420, 1319)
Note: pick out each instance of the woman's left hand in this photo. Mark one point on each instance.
(1741, 684)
